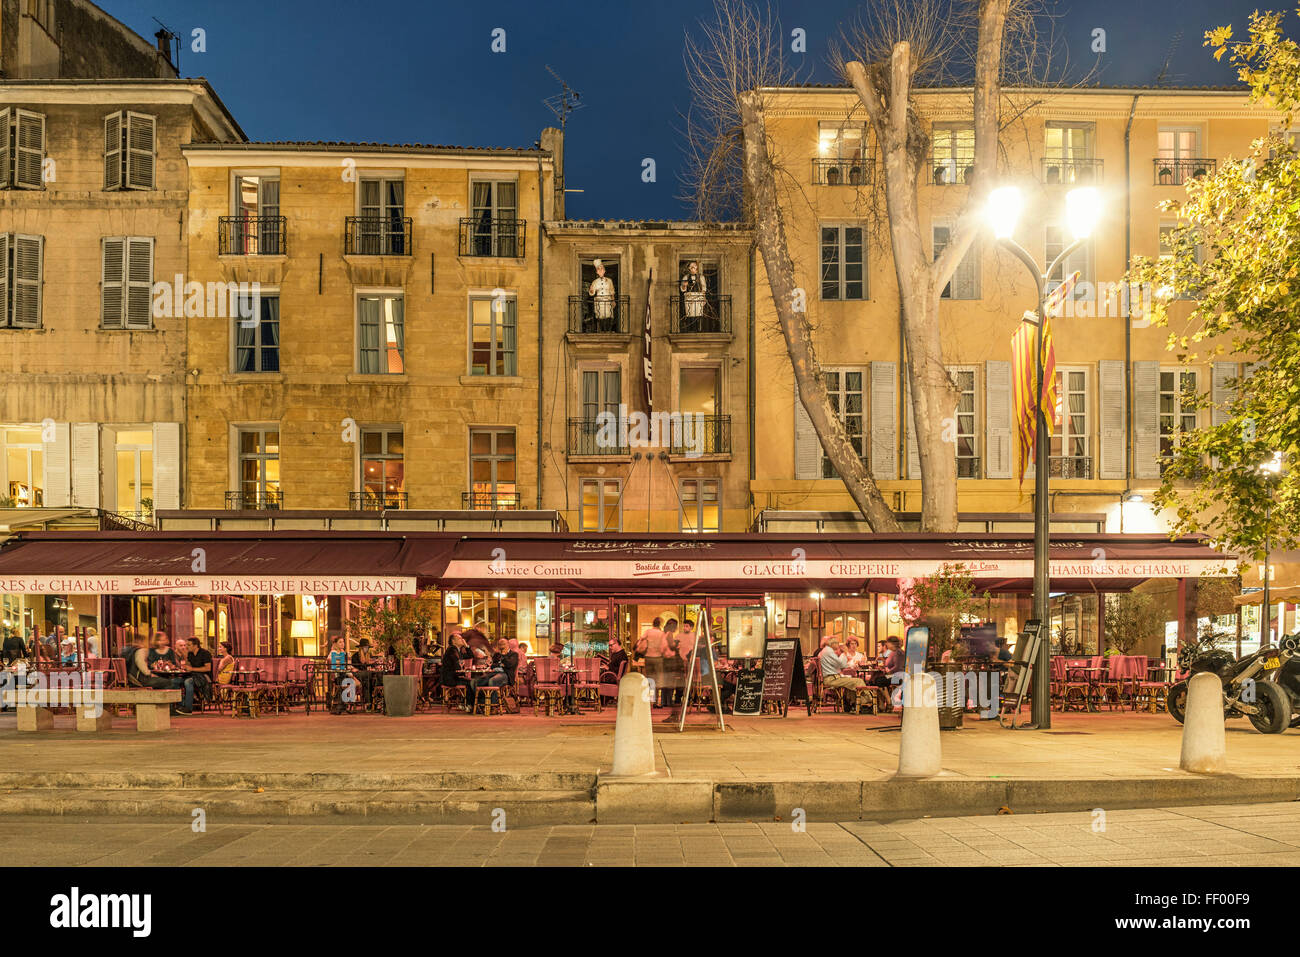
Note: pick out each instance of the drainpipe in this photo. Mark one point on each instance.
(541, 296)
(900, 447)
(753, 277)
(1128, 307)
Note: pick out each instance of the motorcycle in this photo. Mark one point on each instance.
(1271, 704)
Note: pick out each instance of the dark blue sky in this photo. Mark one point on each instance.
(422, 71)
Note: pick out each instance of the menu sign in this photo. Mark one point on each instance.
(749, 692)
(783, 676)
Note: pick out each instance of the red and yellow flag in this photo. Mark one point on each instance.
(1024, 371)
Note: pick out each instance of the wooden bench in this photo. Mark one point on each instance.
(152, 707)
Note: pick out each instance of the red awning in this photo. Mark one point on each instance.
(239, 563)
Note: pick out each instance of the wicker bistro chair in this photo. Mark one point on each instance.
(1078, 688)
(587, 686)
(1113, 684)
(1152, 686)
(609, 681)
(548, 692)
(1056, 684)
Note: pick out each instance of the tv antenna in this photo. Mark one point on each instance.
(564, 102)
(1173, 48)
(172, 41)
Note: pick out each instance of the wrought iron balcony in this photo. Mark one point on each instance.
(1069, 466)
(267, 499)
(593, 437)
(949, 170)
(377, 236)
(1071, 171)
(489, 501)
(502, 238)
(700, 434)
(1176, 172)
(968, 466)
(376, 501)
(252, 235)
(695, 314)
(588, 316)
(841, 172)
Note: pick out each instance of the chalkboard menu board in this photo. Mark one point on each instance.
(783, 676)
(749, 692)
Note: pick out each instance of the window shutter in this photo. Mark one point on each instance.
(26, 281)
(166, 465)
(112, 290)
(4, 279)
(85, 464)
(884, 418)
(139, 150)
(56, 467)
(807, 449)
(965, 281)
(29, 150)
(1222, 390)
(113, 151)
(139, 282)
(1146, 420)
(913, 454)
(1110, 403)
(4, 146)
(997, 418)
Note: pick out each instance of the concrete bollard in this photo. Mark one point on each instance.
(634, 752)
(1204, 742)
(919, 755)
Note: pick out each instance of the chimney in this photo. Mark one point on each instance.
(164, 39)
(552, 140)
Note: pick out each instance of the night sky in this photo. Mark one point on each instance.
(404, 71)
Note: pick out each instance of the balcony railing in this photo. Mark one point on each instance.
(588, 316)
(1071, 170)
(267, 499)
(1069, 466)
(502, 238)
(840, 172)
(1175, 172)
(949, 170)
(376, 501)
(701, 434)
(377, 236)
(968, 466)
(696, 314)
(591, 437)
(489, 501)
(252, 235)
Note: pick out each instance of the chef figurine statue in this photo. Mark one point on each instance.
(601, 291)
(693, 288)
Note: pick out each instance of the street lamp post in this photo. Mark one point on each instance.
(1270, 470)
(1083, 208)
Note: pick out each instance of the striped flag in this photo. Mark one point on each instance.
(1023, 376)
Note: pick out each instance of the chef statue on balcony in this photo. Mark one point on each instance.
(601, 291)
(693, 288)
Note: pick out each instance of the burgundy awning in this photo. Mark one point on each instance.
(243, 563)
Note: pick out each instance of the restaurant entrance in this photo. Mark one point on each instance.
(585, 625)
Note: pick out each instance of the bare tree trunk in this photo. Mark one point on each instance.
(771, 238)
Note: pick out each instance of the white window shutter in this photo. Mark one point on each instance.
(112, 289)
(1146, 420)
(5, 120)
(884, 420)
(57, 475)
(26, 281)
(139, 282)
(807, 449)
(1110, 404)
(997, 418)
(5, 239)
(113, 151)
(140, 150)
(913, 453)
(30, 149)
(85, 464)
(1222, 390)
(166, 465)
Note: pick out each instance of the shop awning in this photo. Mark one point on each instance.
(754, 563)
(235, 563)
(1289, 593)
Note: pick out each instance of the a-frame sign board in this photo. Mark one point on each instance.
(706, 639)
(1020, 676)
(783, 673)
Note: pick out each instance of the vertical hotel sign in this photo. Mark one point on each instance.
(647, 369)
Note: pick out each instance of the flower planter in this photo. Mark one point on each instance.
(399, 695)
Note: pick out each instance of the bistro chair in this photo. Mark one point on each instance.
(547, 690)
(1056, 683)
(609, 681)
(1152, 688)
(587, 684)
(1077, 688)
(489, 700)
(1111, 685)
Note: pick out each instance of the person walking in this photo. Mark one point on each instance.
(654, 660)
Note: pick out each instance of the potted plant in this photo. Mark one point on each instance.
(1131, 618)
(944, 601)
(391, 624)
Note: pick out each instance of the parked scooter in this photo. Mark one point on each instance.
(1271, 703)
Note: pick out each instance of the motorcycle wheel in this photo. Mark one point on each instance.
(1176, 701)
(1274, 712)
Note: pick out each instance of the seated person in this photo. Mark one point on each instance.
(451, 658)
(226, 664)
(856, 658)
(832, 662)
(67, 649)
(617, 662)
(1002, 655)
(340, 672)
(158, 668)
(198, 662)
(893, 662)
(505, 665)
(366, 667)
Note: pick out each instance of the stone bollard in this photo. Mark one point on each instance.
(919, 755)
(1204, 742)
(634, 752)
